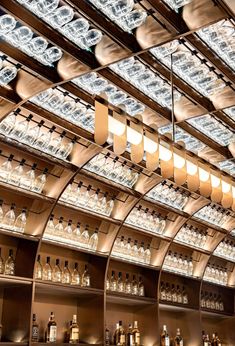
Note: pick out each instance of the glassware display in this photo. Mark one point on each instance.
(67, 107)
(216, 274)
(67, 275)
(12, 220)
(213, 214)
(211, 301)
(122, 13)
(8, 72)
(189, 67)
(65, 20)
(19, 174)
(178, 263)
(80, 236)
(230, 112)
(145, 219)
(112, 169)
(192, 236)
(45, 139)
(191, 143)
(177, 4)
(85, 197)
(226, 249)
(9, 268)
(23, 38)
(220, 38)
(96, 85)
(173, 293)
(132, 251)
(213, 128)
(147, 81)
(123, 284)
(228, 166)
(168, 194)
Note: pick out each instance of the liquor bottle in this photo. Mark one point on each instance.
(140, 287)
(20, 222)
(86, 279)
(35, 329)
(38, 269)
(120, 336)
(115, 335)
(16, 174)
(76, 277)
(40, 181)
(165, 339)
(107, 337)
(10, 264)
(217, 340)
(93, 241)
(113, 282)
(74, 331)
(136, 334)
(1, 263)
(66, 275)
(9, 218)
(120, 283)
(127, 285)
(51, 333)
(47, 270)
(173, 294)
(185, 296)
(206, 341)
(130, 339)
(178, 341)
(134, 286)
(56, 272)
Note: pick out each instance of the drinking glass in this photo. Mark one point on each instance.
(20, 36)
(133, 20)
(51, 55)
(7, 23)
(7, 74)
(45, 7)
(76, 28)
(60, 16)
(36, 46)
(120, 8)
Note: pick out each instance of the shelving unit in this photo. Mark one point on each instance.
(97, 307)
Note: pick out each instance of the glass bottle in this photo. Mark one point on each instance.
(66, 275)
(47, 270)
(136, 334)
(40, 181)
(93, 241)
(56, 272)
(141, 287)
(8, 123)
(50, 228)
(74, 331)
(85, 237)
(6, 169)
(35, 329)
(77, 233)
(162, 291)
(1, 263)
(127, 285)
(165, 339)
(178, 341)
(86, 279)
(121, 335)
(120, 283)
(68, 231)
(9, 218)
(20, 221)
(38, 269)
(7, 74)
(44, 139)
(147, 255)
(21, 128)
(107, 338)
(16, 174)
(134, 286)
(59, 228)
(174, 294)
(113, 282)
(28, 178)
(76, 278)
(9, 268)
(130, 339)
(179, 295)
(51, 329)
(185, 296)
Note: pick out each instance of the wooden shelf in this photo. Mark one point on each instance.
(144, 231)
(13, 281)
(64, 344)
(190, 246)
(140, 264)
(52, 288)
(175, 307)
(215, 313)
(12, 233)
(127, 299)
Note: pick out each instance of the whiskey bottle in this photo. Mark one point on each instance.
(10, 264)
(51, 329)
(136, 334)
(130, 339)
(218, 340)
(107, 338)
(206, 341)
(165, 339)
(121, 340)
(115, 335)
(178, 341)
(74, 331)
(35, 329)
(47, 271)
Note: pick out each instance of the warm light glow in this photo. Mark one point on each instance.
(191, 168)
(116, 127)
(164, 153)
(233, 191)
(179, 161)
(149, 145)
(215, 181)
(203, 175)
(225, 187)
(133, 136)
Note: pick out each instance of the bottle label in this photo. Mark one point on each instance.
(35, 333)
(167, 341)
(75, 334)
(181, 343)
(137, 338)
(52, 333)
(131, 340)
(122, 339)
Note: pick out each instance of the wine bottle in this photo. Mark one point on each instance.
(51, 329)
